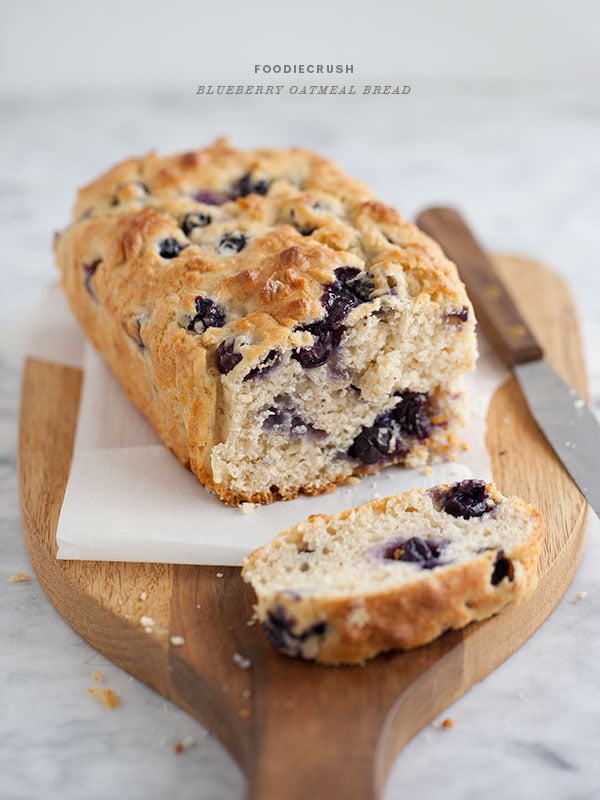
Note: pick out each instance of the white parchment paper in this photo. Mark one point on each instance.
(129, 499)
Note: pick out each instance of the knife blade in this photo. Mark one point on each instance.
(562, 414)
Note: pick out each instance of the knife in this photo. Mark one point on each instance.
(562, 414)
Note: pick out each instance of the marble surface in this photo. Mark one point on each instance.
(525, 168)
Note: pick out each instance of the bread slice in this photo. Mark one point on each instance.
(395, 573)
(280, 327)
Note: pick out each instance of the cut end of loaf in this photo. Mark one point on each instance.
(380, 398)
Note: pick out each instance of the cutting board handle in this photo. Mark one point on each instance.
(372, 712)
(299, 730)
(499, 317)
(268, 708)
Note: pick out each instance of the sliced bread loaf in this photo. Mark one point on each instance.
(396, 572)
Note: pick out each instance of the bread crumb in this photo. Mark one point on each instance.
(241, 661)
(426, 471)
(579, 403)
(143, 595)
(352, 480)
(147, 622)
(582, 595)
(376, 496)
(445, 723)
(98, 676)
(185, 744)
(247, 508)
(219, 574)
(520, 695)
(246, 694)
(177, 641)
(245, 713)
(19, 577)
(108, 697)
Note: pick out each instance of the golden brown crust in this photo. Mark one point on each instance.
(135, 305)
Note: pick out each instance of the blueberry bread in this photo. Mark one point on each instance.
(281, 328)
(395, 573)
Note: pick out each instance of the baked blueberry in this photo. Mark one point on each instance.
(227, 359)
(360, 284)
(249, 185)
(231, 243)
(345, 293)
(425, 552)
(378, 442)
(195, 220)
(320, 350)
(89, 270)
(466, 499)
(283, 418)
(279, 630)
(210, 198)
(209, 314)
(412, 415)
(169, 247)
(390, 434)
(137, 336)
(456, 318)
(503, 568)
(349, 289)
(278, 627)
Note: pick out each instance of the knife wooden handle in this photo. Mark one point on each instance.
(496, 312)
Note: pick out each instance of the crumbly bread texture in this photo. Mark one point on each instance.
(395, 573)
(281, 328)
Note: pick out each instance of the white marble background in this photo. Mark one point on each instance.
(524, 165)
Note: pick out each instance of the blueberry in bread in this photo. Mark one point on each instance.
(280, 327)
(394, 573)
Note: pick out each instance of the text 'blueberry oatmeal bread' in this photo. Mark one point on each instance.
(395, 573)
(281, 328)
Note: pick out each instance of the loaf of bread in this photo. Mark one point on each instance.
(395, 573)
(281, 328)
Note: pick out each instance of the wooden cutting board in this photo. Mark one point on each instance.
(297, 729)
